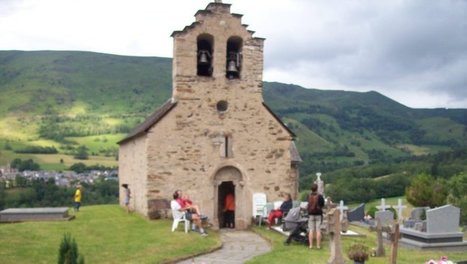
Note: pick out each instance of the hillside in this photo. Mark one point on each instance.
(67, 98)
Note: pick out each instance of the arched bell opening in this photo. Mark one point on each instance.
(234, 58)
(205, 43)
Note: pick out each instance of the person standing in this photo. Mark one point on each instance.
(127, 196)
(315, 212)
(77, 198)
(229, 210)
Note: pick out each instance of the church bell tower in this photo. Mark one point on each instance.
(217, 59)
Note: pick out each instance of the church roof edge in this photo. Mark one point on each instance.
(292, 134)
(150, 121)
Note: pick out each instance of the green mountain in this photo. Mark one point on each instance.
(66, 99)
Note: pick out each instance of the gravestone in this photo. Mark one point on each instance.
(415, 219)
(379, 237)
(440, 230)
(394, 236)
(35, 214)
(417, 213)
(357, 214)
(333, 228)
(444, 219)
(383, 205)
(342, 209)
(399, 207)
(320, 184)
(386, 217)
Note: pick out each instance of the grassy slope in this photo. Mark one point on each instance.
(97, 93)
(104, 234)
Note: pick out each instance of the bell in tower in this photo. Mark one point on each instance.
(204, 56)
(234, 58)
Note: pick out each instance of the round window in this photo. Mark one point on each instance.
(222, 106)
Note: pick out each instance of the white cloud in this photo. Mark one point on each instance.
(410, 50)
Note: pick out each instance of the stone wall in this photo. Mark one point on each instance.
(132, 169)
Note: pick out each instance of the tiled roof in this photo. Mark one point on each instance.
(150, 121)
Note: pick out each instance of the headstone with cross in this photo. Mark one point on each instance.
(399, 207)
(383, 205)
(333, 228)
(379, 234)
(342, 208)
(394, 236)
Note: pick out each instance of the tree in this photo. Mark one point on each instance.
(458, 194)
(424, 190)
(78, 167)
(82, 153)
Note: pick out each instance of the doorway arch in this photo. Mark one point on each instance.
(228, 179)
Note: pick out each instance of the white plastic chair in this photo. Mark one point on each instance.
(259, 202)
(178, 217)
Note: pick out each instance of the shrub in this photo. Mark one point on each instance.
(372, 211)
(358, 252)
(68, 252)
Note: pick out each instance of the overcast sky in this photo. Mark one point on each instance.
(413, 51)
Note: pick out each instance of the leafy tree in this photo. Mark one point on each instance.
(82, 153)
(424, 190)
(24, 165)
(458, 194)
(78, 167)
(21, 181)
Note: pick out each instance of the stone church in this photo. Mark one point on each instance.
(215, 135)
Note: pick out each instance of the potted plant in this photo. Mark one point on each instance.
(358, 253)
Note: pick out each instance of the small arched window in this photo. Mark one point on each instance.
(234, 58)
(205, 43)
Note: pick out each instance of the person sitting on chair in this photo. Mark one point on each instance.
(283, 210)
(189, 215)
(186, 203)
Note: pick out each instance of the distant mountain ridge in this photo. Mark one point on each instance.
(48, 97)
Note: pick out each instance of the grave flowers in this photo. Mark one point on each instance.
(442, 260)
(358, 253)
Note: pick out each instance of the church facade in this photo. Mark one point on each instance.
(215, 135)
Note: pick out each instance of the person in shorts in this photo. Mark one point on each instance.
(315, 212)
(189, 214)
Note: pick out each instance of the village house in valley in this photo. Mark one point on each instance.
(215, 135)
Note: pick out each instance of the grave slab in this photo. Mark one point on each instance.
(35, 214)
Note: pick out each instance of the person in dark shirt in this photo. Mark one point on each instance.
(315, 212)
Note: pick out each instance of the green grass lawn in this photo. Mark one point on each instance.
(107, 234)
(299, 253)
(104, 234)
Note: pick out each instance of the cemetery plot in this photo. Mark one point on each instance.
(35, 214)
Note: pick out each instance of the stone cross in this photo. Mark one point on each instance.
(379, 231)
(341, 208)
(383, 205)
(399, 207)
(394, 235)
(218, 1)
(320, 183)
(333, 228)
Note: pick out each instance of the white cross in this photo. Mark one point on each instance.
(399, 208)
(341, 208)
(383, 205)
